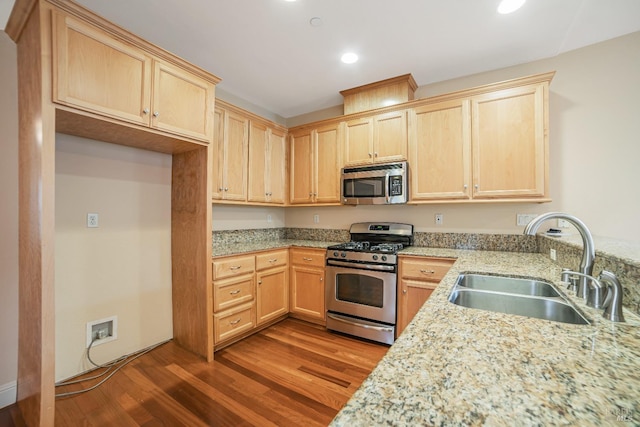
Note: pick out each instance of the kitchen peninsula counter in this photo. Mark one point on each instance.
(460, 366)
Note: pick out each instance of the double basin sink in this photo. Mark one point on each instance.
(512, 295)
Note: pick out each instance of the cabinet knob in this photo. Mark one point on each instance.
(219, 188)
(226, 188)
(259, 282)
(466, 186)
(369, 154)
(145, 111)
(404, 291)
(156, 114)
(322, 279)
(375, 154)
(476, 186)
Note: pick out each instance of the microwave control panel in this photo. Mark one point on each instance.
(395, 186)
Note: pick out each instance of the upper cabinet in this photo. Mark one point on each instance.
(249, 158)
(315, 165)
(509, 136)
(231, 145)
(440, 150)
(484, 144)
(267, 163)
(96, 72)
(376, 139)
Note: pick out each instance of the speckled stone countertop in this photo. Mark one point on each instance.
(459, 366)
(241, 248)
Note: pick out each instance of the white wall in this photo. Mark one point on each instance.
(232, 217)
(123, 267)
(8, 221)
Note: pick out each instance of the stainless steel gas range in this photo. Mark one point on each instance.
(362, 280)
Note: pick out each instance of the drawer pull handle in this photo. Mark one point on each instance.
(234, 322)
(235, 267)
(273, 260)
(307, 259)
(236, 292)
(427, 271)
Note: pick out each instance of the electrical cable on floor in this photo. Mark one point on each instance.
(123, 361)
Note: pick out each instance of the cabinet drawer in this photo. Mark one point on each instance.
(312, 258)
(233, 322)
(231, 292)
(429, 269)
(233, 267)
(271, 259)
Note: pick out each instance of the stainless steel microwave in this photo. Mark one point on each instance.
(381, 184)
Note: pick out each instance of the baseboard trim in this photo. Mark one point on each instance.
(8, 393)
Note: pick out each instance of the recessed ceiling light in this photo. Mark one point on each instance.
(349, 58)
(508, 6)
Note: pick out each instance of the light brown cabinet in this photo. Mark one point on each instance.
(307, 300)
(97, 72)
(417, 278)
(376, 139)
(231, 147)
(272, 284)
(440, 151)
(488, 143)
(509, 136)
(249, 291)
(315, 165)
(267, 163)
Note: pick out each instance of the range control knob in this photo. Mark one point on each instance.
(375, 257)
(343, 254)
(336, 253)
(384, 257)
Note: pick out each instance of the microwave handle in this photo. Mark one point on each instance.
(387, 190)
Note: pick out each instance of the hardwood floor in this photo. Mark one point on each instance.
(291, 374)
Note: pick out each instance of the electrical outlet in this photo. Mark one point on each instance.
(269, 219)
(552, 254)
(524, 219)
(316, 219)
(439, 219)
(102, 331)
(563, 223)
(92, 220)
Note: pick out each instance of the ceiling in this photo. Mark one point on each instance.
(268, 53)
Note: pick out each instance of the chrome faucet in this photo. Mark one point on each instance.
(598, 295)
(588, 252)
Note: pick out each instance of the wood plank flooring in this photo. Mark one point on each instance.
(291, 374)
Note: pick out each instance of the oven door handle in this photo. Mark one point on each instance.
(361, 266)
(360, 325)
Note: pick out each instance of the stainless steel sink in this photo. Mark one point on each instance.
(522, 297)
(512, 285)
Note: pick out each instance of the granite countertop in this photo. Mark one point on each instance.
(242, 248)
(459, 366)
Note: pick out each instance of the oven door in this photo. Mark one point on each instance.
(361, 293)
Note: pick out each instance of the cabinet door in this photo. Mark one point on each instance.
(236, 147)
(217, 187)
(277, 166)
(412, 295)
(390, 137)
(258, 159)
(328, 161)
(358, 141)
(272, 294)
(300, 185)
(95, 72)
(307, 293)
(182, 102)
(509, 144)
(440, 148)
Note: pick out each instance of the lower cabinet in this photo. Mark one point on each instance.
(307, 285)
(272, 286)
(417, 278)
(248, 292)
